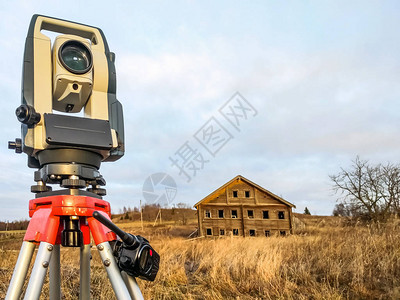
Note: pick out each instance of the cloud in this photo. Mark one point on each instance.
(316, 108)
(325, 89)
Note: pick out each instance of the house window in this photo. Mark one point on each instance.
(234, 214)
(265, 214)
(209, 231)
(250, 214)
(281, 215)
(267, 233)
(282, 232)
(208, 214)
(222, 232)
(252, 232)
(235, 231)
(220, 213)
(247, 194)
(235, 194)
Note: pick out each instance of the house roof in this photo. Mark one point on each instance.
(240, 177)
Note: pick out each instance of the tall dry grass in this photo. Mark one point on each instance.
(319, 262)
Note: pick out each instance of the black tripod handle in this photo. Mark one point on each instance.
(127, 238)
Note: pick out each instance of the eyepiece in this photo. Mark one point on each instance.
(75, 57)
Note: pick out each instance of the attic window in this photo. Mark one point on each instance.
(235, 194)
(247, 194)
(220, 213)
(265, 214)
(208, 214)
(281, 215)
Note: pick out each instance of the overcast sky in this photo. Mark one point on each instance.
(320, 79)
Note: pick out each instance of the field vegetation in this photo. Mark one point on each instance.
(327, 258)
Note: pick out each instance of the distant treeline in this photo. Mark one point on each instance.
(180, 214)
(14, 225)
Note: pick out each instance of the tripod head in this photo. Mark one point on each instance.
(74, 73)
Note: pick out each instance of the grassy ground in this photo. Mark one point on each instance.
(325, 260)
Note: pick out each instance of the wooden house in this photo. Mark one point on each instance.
(242, 208)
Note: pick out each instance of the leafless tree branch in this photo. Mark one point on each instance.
(372, 191)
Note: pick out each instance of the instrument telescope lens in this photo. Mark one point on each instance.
(75, 57)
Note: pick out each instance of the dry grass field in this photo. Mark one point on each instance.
(325, 260)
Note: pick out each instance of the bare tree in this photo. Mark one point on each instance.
(369, 191)
(341, 210)
(348, 210)
(392, 183)
(182, 205)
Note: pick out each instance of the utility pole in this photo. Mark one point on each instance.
(141, 214)
(158, 214)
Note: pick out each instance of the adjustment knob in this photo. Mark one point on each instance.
(100, 180)
(98, 191)
(40, 188)
(73, 183)
(26, 114)
(17, 145)
(125, 262)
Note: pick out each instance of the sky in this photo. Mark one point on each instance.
(282, 93)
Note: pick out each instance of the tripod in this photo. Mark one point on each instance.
(67, 220)
(59, 76)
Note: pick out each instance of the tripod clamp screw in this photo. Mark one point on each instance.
(107, 262)
(45, 264)
(50, 247)
(100, 247)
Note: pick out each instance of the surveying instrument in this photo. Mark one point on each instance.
(75, 72)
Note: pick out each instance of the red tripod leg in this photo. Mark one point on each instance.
(43, 228)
